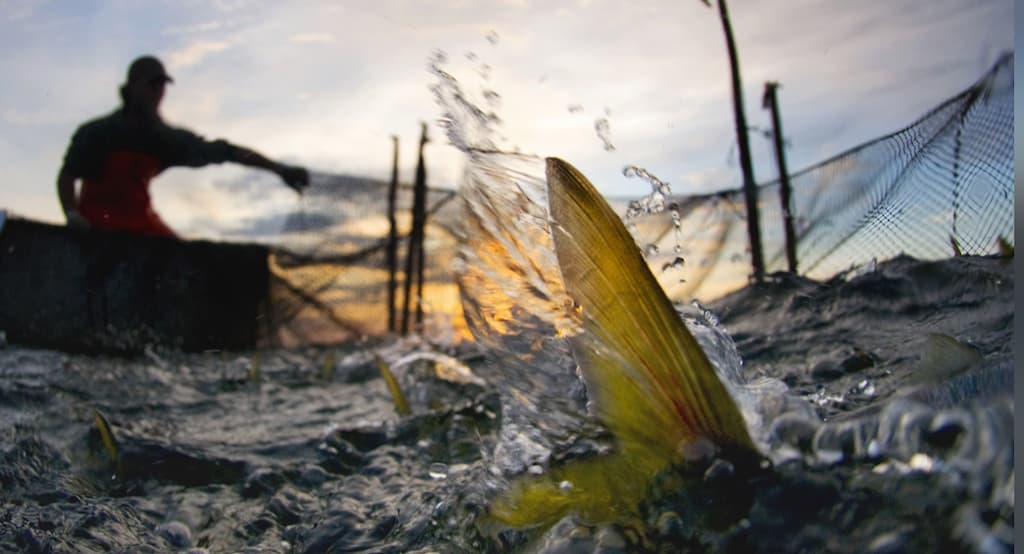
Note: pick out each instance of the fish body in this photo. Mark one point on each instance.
(952, 373)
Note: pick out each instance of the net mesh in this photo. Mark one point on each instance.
(331, 270)
(943, 185)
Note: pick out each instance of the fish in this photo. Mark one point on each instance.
(648, 380)
(944, 357)
(952, 373)
(401, 405)
(107, 436)
(957, 409)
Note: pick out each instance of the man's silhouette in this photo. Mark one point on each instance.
(116, 155)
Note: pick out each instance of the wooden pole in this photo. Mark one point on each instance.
(412, 259)
(770, 102)
(749, 186)
(420, 193)
(393, 241)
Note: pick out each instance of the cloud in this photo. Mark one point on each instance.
(18, 10)
(31, 118)
(313, 38)
(229, 6)
(194, 53)
(197, 28)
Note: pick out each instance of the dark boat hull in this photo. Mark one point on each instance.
(107, 291)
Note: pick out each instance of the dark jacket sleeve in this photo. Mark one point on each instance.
(79, 161)
(191, 150)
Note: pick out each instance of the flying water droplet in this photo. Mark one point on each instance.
(674, 264)
(604, 132)
(706, 314)
(493, 98)
(655, 201)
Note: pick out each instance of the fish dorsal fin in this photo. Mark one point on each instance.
(647, 377)
(648, 380)
(944, 357)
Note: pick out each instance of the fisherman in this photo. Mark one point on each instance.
(116, 155)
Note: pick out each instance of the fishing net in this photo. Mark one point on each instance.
(940, 187)
(337, 267)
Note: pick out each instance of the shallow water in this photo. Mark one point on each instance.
(273, 451)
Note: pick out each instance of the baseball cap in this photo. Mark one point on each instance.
(147, 67)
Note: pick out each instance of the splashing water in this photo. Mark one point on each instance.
(512, 294)
(513, 297)
(518, 310)
(653, 202)
(604, 132)
(467, 126)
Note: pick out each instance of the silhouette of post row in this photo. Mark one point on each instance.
(415, 257)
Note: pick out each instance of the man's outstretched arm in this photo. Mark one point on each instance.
(195, 151)
(295, 177)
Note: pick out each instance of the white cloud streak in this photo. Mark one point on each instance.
(313, 38)
(194, 53)
(198, 28)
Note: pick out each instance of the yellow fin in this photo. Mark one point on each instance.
(650, 381)
(106, 436)
(401, 406)
(944, 357)
(647, 378)
(597, 489)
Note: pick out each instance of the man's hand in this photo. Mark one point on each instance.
(295, 177)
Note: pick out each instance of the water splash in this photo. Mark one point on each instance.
(467, 126)
(515, 302)
(512, 295)
(654, 201)
(517, 307)
(604, 132)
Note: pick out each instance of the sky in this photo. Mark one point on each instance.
(325, 84)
